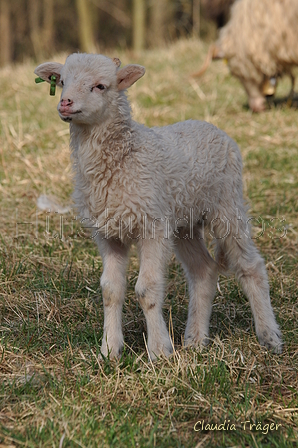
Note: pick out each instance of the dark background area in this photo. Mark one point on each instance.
(40, 28)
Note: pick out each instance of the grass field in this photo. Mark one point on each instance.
(53, 390)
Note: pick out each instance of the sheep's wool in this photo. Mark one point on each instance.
(260, 40)
(158, 188)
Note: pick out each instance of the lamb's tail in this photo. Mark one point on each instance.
(50, 203)
(214, 52)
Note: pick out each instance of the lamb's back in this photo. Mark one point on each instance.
(198, 163)
(200, 146)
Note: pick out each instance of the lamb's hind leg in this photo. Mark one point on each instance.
(201, 273)
(245, 261)
(115, 257)
(154, 254)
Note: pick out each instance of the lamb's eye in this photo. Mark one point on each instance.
(101, 87)
(62, 82)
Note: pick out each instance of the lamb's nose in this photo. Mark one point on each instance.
(65, 103)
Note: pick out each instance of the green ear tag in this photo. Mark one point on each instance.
(53, 85)
(38, 80)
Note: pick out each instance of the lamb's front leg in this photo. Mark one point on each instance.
(114, 256)
(154, 254)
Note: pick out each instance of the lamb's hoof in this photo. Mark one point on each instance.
(271, 340)
(195, 341)
(157, 350)
(111, 351)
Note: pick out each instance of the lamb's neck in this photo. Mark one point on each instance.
(98, 154)
(110, 138)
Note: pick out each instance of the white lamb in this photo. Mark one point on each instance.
(157, 188)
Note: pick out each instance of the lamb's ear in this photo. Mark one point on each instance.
(128, 75)
(46, 70)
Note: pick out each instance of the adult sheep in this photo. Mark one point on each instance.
(260, 44)
(158, 188)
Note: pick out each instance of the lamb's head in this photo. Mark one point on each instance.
(91, 86)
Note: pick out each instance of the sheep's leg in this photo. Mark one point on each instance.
(201, 273)
(243, 258)
(154, 254)
(114, 256)
(291, 94)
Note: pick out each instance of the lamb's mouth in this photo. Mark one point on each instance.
(68, 116)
